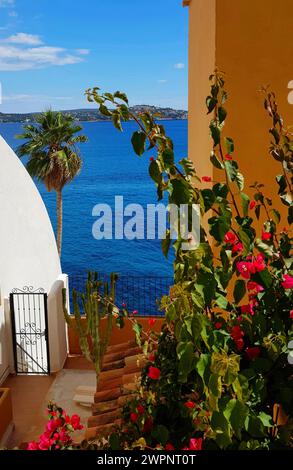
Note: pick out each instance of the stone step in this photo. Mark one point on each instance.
(107, 395)
(105, 418)
(101, 431)
(104, 407)
(110, 383)
(120, 347)
(118, 356)
(113, 365)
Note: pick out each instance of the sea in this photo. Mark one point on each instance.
(110, 168)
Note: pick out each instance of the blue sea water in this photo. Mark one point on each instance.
(110, 168)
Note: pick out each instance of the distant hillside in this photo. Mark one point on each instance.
(95, 115)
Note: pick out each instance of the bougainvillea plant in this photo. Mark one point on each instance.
(219, 369)
(58, 432)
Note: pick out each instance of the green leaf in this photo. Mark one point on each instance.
(215, 385)
(244, 238)
(180, 192)
(186, 356)
(239, 180)
(221, 190)
(221, 301)
(221, 427)
(245, 204)
(239, 290)
(215, 133)
(281, 180)
(222, 114)
(154, 172)
(117, 121)
(137, 328)
(229, 145)
(276, 215)
(211, 103)
(166, 242)
(266, 419)
(109, 97)
(121, 96)
(161, 434)
(114, 441)
(219, 226)
(104, 110)
(236, 413)
(168, 157)
(216, 162)
(138, 142)
(208, 197)
(202, 367)
(231, 170)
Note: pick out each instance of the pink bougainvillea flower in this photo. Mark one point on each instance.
(252, 205)
(123, 305)
(254, 286)
(140, 409)
(135, 312)
(206, 179)
(291, 314)
(248, 308)
(152, 357)
(266, 236)
(237, 248)
(195, 444)
(236, 332)
(259, 263)
(169, 446)
(151, 321)
(75, 423)
(33, 446)
(189, 404)
(244, 268)
(287, 281)
(228, 157)
(230, 237)
(45, 442)
(151, 159)
(252, 353)
(154, 373)
(218, 325)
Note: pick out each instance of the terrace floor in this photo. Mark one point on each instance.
(29, 396)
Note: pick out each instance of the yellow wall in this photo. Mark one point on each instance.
(251, 41)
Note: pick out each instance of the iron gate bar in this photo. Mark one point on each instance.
(33, 312)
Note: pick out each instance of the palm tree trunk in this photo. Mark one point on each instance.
(59, 220)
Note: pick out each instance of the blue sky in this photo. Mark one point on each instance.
(52, 50)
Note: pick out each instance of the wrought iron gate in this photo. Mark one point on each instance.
(29, 314)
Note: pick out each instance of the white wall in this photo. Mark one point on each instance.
(28, 252)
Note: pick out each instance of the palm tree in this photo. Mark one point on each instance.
(53, 156)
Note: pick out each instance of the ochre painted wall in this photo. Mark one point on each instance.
(251, 41)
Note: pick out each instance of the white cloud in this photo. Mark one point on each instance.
(16, 54)
(179, 65)
(13, 14)
(6, 3)
(162, 81)
(24, 38)
(82, 51)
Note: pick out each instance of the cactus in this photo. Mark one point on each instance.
(96, 302)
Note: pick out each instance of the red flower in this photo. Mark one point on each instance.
(140, 409)
(133, 417)
(169, 446)
(252, 205)
(266, 236)
(218, 325)
(236, 333)
(244, 268)
(247, 309)
(239, 344)
(148, 425)
(259, 263)
(206, 179)
(237, 248)
(195, 444)
(228, 157)
(287, 281)
(151, 159)
(230, 237)
(252, 353)
(254, 286)
(151, 321)
(291, 314)
(154, 373)
(152, 357)
(189, 404)
(75, 422)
